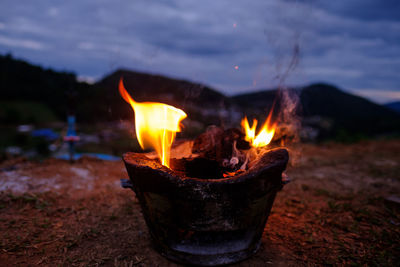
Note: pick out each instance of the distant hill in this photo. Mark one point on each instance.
(325, 103)
(29, 88)
(61, 93)
(395, 106)
(21, 81)
(202, 103)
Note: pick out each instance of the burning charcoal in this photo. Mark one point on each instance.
(233, 144)
(208, 144)
(228, 138)
(222, 146)
(234, 134)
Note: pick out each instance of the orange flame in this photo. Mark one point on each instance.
(156, 124)
(264, 136)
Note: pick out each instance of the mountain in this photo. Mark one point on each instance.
(324, 104)
(60, 93)
(26, 88)
(200, 102)
(395, 106)
(44, 89)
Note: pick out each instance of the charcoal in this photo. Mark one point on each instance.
(222, 146)
(229, 138)
(208, 144)
(199, 167)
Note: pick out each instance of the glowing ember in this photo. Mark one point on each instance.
(156, 124)
(264, 136)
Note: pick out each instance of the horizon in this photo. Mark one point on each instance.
(234, 48)
(360, 93)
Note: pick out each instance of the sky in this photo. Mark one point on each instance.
(233, 46)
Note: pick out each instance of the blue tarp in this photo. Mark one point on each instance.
(47, 133)
(93, 155)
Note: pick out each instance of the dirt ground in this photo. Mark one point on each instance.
(334, 212)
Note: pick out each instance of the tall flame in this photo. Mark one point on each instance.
(156, 124)
(265, 134)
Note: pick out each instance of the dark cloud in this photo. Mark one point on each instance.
(367, 10)
(354, 44)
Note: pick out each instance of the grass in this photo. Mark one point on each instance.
(32, 199)
(322, 192)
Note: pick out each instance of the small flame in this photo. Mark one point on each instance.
(156, 124)
(264, 136)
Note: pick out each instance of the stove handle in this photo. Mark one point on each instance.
(286, 180)
(126, 183)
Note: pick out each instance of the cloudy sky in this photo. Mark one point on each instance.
(234, 46)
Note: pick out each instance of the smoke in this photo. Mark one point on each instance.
(286, 49)
(287, 103)
(285, 45)
(288, 117)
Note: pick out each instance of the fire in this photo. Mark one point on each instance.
(156, 124)
(264, 136)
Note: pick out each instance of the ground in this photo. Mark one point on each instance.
(334, 212)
